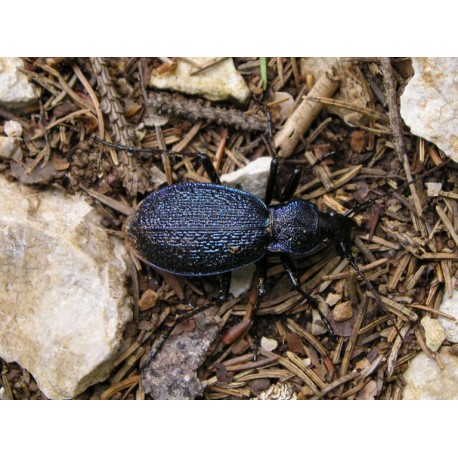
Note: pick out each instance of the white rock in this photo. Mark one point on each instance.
(434, 333)
(429, 104)
(241, 280)
(220, 82)
(268, 344)
(15, 90)
(63, 303)
(425, 379)
(350, 89)
(450, 306)
(13, 129)
(433, 189)
(251, 178)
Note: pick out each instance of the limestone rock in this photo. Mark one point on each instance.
(219, 82)
(251, 178)
(429, 104)
(16, 91)
(450, 306)
(425, 379)
(63, 304)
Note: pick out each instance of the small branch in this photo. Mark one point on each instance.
(194, 110)
(301, 119)
(110, 102)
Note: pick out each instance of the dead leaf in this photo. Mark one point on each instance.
(294, 343)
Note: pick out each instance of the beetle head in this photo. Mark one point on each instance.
(336, 227)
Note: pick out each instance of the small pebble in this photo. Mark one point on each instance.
(148, 300)
(434, 333)
(13, 129)
(268, 344)
(342, 311)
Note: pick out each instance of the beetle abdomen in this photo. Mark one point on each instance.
(200, 229)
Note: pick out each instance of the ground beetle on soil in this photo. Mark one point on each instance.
(202, 229)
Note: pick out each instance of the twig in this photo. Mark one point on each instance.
(110, 102)
(194, 110)
(301, 119)
(396, 126)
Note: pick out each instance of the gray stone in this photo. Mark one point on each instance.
(10, 148)
(426, 380)
(219, 82)
(251, 178)
(64, 303)
(429, 104)
(16, 91)
(172, 373)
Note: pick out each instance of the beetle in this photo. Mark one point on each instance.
(202, 229)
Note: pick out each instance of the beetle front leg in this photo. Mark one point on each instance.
(203, 158)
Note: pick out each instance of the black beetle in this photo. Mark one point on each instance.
(201, 229)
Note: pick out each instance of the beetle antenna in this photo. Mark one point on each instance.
(347, 253)
(132, 149)
(344, 249)
(360, 207)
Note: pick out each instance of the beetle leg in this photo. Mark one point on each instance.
(292, 184)
(203, 158)
(271, 181)
(292, 274)
(209, 167)
(225, 284)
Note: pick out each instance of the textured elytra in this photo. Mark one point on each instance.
(200, 229)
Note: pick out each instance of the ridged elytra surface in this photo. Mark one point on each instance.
(200, 229)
